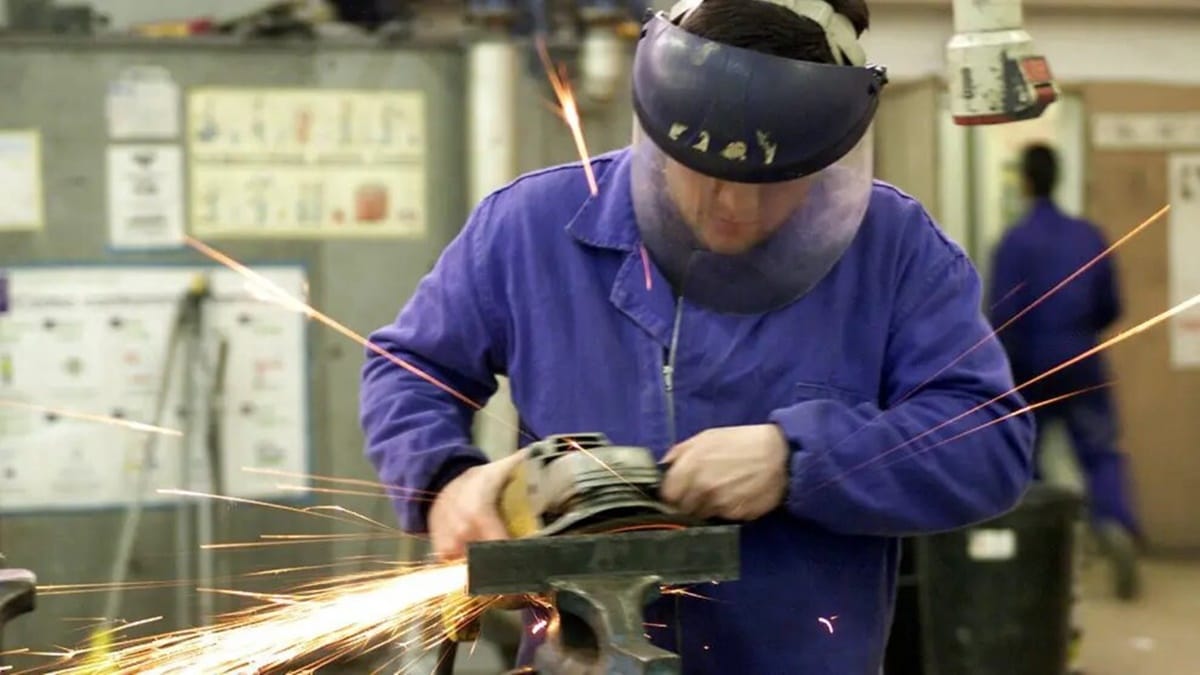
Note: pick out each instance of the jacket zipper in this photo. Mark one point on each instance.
(668, 372)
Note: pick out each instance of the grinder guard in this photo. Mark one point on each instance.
(582, 483)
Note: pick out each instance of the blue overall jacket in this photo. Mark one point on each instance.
(883, 378)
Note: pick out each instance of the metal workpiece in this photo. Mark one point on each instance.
(535, 564)
(18, 591)
(599, 586)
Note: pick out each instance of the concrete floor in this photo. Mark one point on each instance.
(1157, 635)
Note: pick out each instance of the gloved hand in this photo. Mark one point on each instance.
(467, 509)
(735, 473)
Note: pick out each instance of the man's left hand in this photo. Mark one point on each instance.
(735, 473)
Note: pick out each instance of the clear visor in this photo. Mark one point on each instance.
(743, 247)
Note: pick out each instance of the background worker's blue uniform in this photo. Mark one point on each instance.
(1038, 253)
(547, 285)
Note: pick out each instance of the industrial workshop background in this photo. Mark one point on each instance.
(99, 117)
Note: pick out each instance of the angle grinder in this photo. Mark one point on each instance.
(582, 483)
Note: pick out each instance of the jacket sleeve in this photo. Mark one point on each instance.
(418, 435)
(915, 466)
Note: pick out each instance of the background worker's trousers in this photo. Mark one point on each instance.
(1091, 424)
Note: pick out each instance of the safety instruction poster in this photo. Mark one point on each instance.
(307, 163)
(143, 102)
(145, 196)
(1183, 242)
(83, 351)
(21, 179)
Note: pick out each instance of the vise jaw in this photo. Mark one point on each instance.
(18, 589)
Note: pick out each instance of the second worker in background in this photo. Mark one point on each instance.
(1035, 255)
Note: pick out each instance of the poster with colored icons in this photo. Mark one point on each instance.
(307, 163)
(84, 354)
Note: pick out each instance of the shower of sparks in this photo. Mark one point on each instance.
(569, 110)
(89, 417)
(317, 626)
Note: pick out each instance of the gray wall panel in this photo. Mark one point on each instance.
(59, 87)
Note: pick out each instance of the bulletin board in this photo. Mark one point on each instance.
(300, 163)
(93, 339)
(1144, 152)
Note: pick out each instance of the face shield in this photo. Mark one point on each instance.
(751, 173)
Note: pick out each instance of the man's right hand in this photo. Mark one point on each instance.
(467, 509)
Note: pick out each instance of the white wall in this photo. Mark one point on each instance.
(1164, 49)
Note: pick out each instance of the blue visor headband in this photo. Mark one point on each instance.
(744, 116)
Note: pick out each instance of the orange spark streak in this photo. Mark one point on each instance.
(283, 298)
(89, 417)
(570, 112)
(1016, 289)
(998, 420)
(646, 265)
(307, 511)
(342, 492)
(1057, 287)
(328, 479)
(71, 589)
(325, 539)
(1116, 339)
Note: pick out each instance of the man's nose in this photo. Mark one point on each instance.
(737, 199)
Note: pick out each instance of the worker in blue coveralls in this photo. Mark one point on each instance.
(802, 344)
(1034, 257)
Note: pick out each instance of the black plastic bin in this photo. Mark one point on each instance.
(994, 598)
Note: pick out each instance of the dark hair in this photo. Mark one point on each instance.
(771, 28)
(1040, 167)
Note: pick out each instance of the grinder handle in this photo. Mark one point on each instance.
(515, 507)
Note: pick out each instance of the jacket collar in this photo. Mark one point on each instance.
(606, 219)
